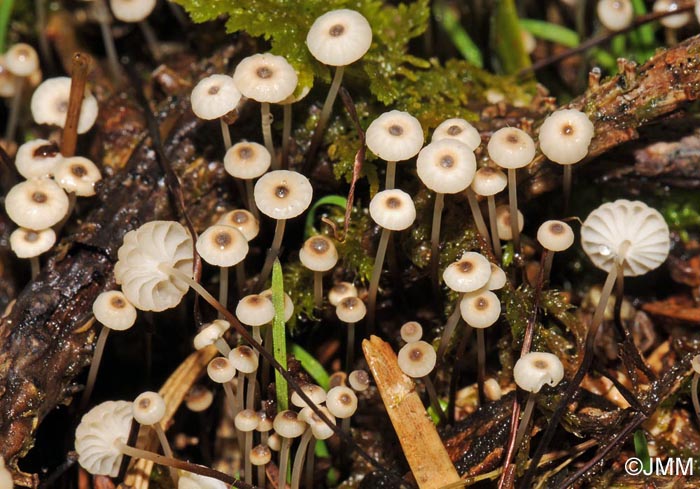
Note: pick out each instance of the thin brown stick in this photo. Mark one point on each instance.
(80, 66)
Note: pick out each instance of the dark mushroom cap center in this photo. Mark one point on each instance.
(223, 239)
(245, 352)
(447, 161)
(239, 217)
(214, 89)
(40, 197)
(264, 72)
(350, 303)
(144, 403)
(345, 399)
(219, 363)
(393, 203)
(416, 355)
(454, 130)
(488, 171)
(23, 53)
(336, 30)
(556, 228)
(567, 129)
(289, 415)
(319, 245)
(540, 364)
(395, 130)
(512, 138)
(118, 303)
(245, 153)
(466, 266)
(481, 304)
(78, 170)
(255, 301)
(31, 236)
(281, 191)
(62, 106)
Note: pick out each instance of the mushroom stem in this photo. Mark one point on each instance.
(481, 363)
(151, 40)
(477, 215)
(491, 200)
(513, 202)
(11, 128)
(225, 134)
(694, 394)
(603, 301)
(248, 467)
(36, 266)
(525, 419)
(325, 114)
(223, 287)
(94, 366)
(228, 390)
(273, 251)
(568, 177)
(240, 278)
(390, 175)
(350, 346)
(299, 458)
(449, 329)
(434, 402)
(166, 447)
(376, 274)
(345, 425)
(318, 289)
(286, 136)
(267, 128)
(104, 20)
(40, 8)
(250, 394)
(223, 348)
(250, 194)
(435, 240)
(240, 394)
(548, 259)
(310, 461)
(284, 457)
(261, 476)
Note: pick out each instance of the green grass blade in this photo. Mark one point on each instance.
(646, 31)
(551, 32)
(337, 200)
(312, 366)
(641, 449)
(449, 21)
(5, 15)
(279, 335)
(506, 40)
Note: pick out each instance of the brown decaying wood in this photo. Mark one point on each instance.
(426, 455)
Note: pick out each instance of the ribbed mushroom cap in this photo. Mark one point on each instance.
(395, 136)
(149, 408)
(210, 333)
(247, 160)
(359, 380)
(38, 203)
(221, 370)
(565, 136)
(288, 304)
(555, 235)
(417, 359)
(264, 422)
(145, 256)
(672, 21)
(265, 78)
(480, 309)
(503, 228)
(319, 429)
(288, 424)
(615, 15)
(498, 279)
(21, 59)
(339, 37)
(260, 455)
(340, 291)
(49, 104)
(511, 148)
(77, 175)
(315, 393)
(471, 272)
(199, 398)
(113, 310)
(27, 243)
(318, 254)
(97, 435)
(283, 194)
(460, 130)
(446, 166)
(222, 246)
(6, 481)
(489, 181)
(214, 97)
(246, 420)
(628, 231)
(695, 363)
(535, 369)
(37, 158)
(351, 310)
(132, 10)
(255, 310)
(411, 331)
(244, 359)
(341, 402)
(392, 209)
(188, 480)
(242, 220)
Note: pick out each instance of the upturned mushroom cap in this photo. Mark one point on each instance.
(460, 130)
(417, 359)
(242, 220)
(351, 310)
(246, 420)
(446, 166)
(244, 359)
(695, 363)
(672, 21)
(511, 148)
(340, 291)
(395, 136)
(283, 194)
(615, 15)
(214, 96)
(6, 481)
(148, 408)
(222, 246)
(392, 209)
(319, 429)
(318, 254)
(626, 231)
(287, 424)
(489, 181)
(27, 243)
(113, 310)
(221, 370)
(97, 435)
(265, 78)
(143, 260)
(471, 272)
(255, 310)
(247, 160)
(535, 369)
(341, 402)
(21, 59)
(49, 104)
(77, 175)
(565, 136)
(37, 158)
(199, 398)
(555, 235)
(132, 10)
(315, 393)
(359, 380)
(339, 37)
(480, 309)
(503, 228)
(188, 480)
(210, 333)
(411, 331)
(260, 455)
(498, 278)
(38, 203)
(288, 304)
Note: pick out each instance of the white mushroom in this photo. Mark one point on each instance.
(38, 203)
(49, 104)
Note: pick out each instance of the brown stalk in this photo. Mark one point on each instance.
(80, 66)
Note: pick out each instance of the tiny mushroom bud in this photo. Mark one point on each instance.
(221, 370)
(274, 442)
(671, 21)
(260, 455)
(131, 11)
(199, 398)
(489, 181)
(615, 15)
(340, 291)
(149, 408)
(498, 278)
(337, 378)
(242, 220)
(264, 422)
(503, 227)
(359, 380)
(27, 243)
(77, 175)
(460, 130)
(315, 393)
(21, 60)
(113, 310)
(49, 104)
(411, 331)
(492, 389)
(38, 203)
(37, 158)
(535, 369)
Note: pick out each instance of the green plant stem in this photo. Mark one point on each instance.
(279, 338)
(435, 240)
(549, 31)
(376, 275)
(449, 21)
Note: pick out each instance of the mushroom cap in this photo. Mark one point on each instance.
(565, 136)
(38, 203)
(315, 393)
(6, 481)
(417, 359)
(341, 401)
(242, 220)
(260, 455)
(480, 309)
(27, 243)
(695, 363)
(222, 246)
(244, 359)
(199, 398)
(489, 181)
(255, 310)
(214, 97)
(392, 209)
(210, 333)
(340, 291)
(283, 194)
(498, 278)
(21, 60)
(8, 86)
(492, 389)
(395, 136)
(288, 304)
(411, 331)
(503, 229)
(247, 160)
(511, 148)
(37, 158)
(246, 420)
(265, 78)
(188, 480)
(49, 104)
(114, 311)
(555, 235)
(460, 130)
(359, 380)
(318, 254)
(337, 378)
(641, 229)
(148, 408)
(144, 255)
(351, 310)
(471, 272)
(274, 442)
(672, 21)
(446, 166)
(221, 370)
(77, 175)
(288, 424)
(615, 15)
(319, 429)
(96, 436)
(339, 37)
(264, 422)
(535, 369)
(132, 10)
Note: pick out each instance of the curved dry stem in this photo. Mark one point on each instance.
(94, 366)
(513, 203)
(223, 287)
(376, 275)
(267, 128)
(435, 240)
(491, 200)
(694, 395)
(299, 458)
(273, 252)
(449, 330)
(167, 450)
(525, 419)
(225, 134)
(318, 290)
(284, 457)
